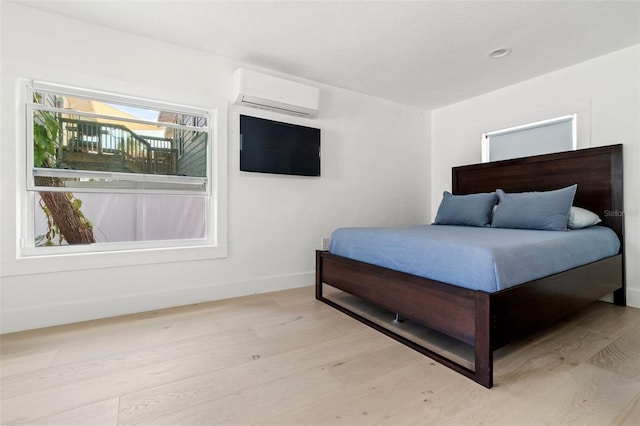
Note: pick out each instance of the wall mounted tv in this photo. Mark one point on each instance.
(268, 146)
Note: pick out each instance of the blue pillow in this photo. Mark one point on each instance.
(548, 210)
(466, 210)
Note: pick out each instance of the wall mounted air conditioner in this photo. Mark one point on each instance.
(273, 93)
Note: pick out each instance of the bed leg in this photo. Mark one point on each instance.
(483, 347)
(398, 318)
(620, 297)
(318, 275)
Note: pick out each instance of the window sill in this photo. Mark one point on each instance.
(30, 265)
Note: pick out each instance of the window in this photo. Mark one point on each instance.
(542, 137)
(104, 173)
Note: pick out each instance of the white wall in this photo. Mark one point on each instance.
(375, 162)
(605, 90)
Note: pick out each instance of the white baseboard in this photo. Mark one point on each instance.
(85, 310)
(47, 316)
(633, 297)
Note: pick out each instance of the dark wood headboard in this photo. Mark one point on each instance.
(597, 171)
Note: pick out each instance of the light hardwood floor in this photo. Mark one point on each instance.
(285, 359)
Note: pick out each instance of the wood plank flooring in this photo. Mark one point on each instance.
(285, 359)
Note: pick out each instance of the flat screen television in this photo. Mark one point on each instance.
(268, 146)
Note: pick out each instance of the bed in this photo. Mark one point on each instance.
(487, 319)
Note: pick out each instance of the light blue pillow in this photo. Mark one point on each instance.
(466, 210)
(548, 210)
(582, 218)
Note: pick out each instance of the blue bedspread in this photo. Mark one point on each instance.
(488, 259)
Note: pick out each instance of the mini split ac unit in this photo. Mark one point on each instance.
(273, 93)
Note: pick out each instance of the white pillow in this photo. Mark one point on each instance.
(582, 218)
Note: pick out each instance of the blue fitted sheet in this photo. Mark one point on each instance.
(487, 259)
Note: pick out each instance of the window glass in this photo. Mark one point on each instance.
(120, 218)
(104, 169)
(92, 135)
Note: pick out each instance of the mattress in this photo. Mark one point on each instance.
(487, 259)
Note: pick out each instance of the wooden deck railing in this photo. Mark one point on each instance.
(114, 147)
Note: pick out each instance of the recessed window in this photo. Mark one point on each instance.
(542, 137)
(107, 172)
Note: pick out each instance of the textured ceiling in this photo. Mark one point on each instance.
(422, 53)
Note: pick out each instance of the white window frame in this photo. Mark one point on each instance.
(63, 258)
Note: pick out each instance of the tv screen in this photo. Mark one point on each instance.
(268, 146)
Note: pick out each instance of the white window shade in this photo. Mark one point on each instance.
(543, 137)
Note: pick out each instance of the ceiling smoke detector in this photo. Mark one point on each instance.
(499, 53)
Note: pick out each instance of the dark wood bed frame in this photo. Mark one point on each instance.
(488, 321)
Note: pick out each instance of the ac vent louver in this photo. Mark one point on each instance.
(273, 93)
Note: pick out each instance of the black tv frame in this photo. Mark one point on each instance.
(275, 147)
